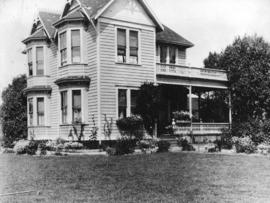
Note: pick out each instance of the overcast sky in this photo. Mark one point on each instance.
(210, 24)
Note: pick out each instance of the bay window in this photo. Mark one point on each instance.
(40, 60)
(30, 61)
(75, 46)
(127, 46)
(64, 106)
(40, 111)
(30, 111)
(76, 106)
(126, 102)
(63, 48)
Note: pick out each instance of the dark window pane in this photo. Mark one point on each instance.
(122, 103)
(64, 106)
(121, 45)
(76, 106)
(134, 94)
(163, 54)
(172, 55)
(40, 111)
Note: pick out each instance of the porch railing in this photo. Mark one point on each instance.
(202, 128)
(191, 72)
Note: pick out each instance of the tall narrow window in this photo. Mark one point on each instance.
(122, 103)
(63, 48)
(64, 106)
(134, 47)
(172, 51)
(40, 111)
(163, 54)
(40, 60)
(75, 46)
(133, 95)
(30, 62)
(121, 45)
(76, 106)
(30, 111)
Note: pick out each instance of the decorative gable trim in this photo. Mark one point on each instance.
(144, 5)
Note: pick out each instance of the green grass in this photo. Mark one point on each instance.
(147, 178)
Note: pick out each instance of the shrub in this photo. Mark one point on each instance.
(42, 149)
(73, 145)
(25, 147)
(125, 146)
(181, 115)
(147, 144)
(132, 127)
(244, 145)
(111, 151)
(186, 146)
(163, 146)
(50, 145)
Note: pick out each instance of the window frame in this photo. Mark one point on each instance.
(128, 96)
(70, 103)
(28, 111)
(40, 113)
(37, 62)
(62, 63)
(128, 30)
(62, 107)
(69, 61)
(73, 107)
(30, 62)
(72, 47)
(33, 48)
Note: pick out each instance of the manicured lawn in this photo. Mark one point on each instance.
(147, 178)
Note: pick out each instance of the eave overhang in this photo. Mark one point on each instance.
(38, 89)
(73, 81)
(175, 43)
(67, 20)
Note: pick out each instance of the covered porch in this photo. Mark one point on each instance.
(200, 93)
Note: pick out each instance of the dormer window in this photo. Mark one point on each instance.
(30, 61)
(127, 46)
(63, 48)
(40, 60)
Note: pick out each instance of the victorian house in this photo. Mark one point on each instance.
(90, 60)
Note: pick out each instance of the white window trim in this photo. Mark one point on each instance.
(68, 42)
(69, 105)
(129, 89)
(34, 62)
(127, 45)
(168, 55)
(35, 123)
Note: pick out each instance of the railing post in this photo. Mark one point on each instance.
(230, 110)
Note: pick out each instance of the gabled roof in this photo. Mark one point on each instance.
(95, 8)
(47, 19)
(37, 35)
(76, 15)
(168, 36)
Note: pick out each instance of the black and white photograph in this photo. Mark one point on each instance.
(132, 101)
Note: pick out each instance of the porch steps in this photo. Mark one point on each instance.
(172, 140)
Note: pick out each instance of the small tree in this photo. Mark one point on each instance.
(148, 105)
(13, 112)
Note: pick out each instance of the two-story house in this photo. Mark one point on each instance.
(90, 60)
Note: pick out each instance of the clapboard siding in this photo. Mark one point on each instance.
(54, 100)
(114, 74)
(91, 47)
(181, 59)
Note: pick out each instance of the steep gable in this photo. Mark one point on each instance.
(47, 19)
(128, 10)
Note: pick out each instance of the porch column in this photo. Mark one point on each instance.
(230, 110)
(190, 102)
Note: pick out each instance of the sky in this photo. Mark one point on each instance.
(209, 24)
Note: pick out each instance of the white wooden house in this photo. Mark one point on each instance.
(90, 60)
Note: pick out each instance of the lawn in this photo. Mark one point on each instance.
(179, 177)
